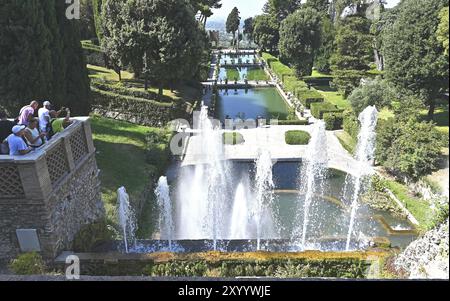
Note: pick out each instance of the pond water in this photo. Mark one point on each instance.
(234, 59)
(251, 103)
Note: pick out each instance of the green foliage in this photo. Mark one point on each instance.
(233, 138)
(377, 92)
(266, 32)
(138, 110)
(158, 150)
(293, 122)
(170, 48)
(280, 9)
(249, 28)
(318, 109)
(233, 22)
(323, 57)
(28, 264)
(333, 121)
(415, 59)
(91, 236)
(347, 142)
(300, 38)
(351, 124)
(353, 53)
(297, 137)
(443, 28)
(407, 147)
(308, 97)
(97, 11)
(49, 63)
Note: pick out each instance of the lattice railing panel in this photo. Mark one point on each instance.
(57, 163)
(10, 182)
(78, 145)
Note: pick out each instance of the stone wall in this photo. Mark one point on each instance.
(56, 191)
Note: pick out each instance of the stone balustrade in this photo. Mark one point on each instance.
(49, 194)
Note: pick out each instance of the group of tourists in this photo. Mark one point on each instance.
(30, 130)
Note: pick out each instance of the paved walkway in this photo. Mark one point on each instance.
(273, 139)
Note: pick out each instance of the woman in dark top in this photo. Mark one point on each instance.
(5, 126)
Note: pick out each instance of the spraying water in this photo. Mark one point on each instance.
(264, 191)
(365, 152)
(166, 226)
(313, 174)
(202, 196)
(126, 217)
(239, 228)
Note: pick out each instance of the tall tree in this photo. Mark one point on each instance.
(300, 38)
(352, 57)
(266, 32)
(324, 53)
(415, 59)
(205, 7)
(280, 9)
(41, 56)
(233, 23)
(322, 6)
(163, 48)
(248, 28)
(442, 32)
(97, 11)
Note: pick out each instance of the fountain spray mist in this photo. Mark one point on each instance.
(313, 175)
(166, 226)
(365, 153)
(126, 217)
(264, 194)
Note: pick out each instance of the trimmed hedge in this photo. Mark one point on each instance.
(319, 109)
(309, 97)
(351, 124)
(297, 137)
(133, 92)
(280, 69)
(333, 121)
(293, 122)
(132, 109)
(233, 138)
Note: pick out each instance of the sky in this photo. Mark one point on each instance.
(250, 8)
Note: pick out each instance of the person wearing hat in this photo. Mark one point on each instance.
(16, 144)
(45, 115)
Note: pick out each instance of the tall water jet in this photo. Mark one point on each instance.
(313, 174)
(126, 217)
(166, 226)
(240, 214)
(202, 194)
(365, 153)
(264, 194)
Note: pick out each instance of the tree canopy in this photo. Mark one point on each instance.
(233, 23)
(443, 28)
(415, 59)
(300, 38)
(266, 32)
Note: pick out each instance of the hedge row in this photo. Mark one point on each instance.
(291, 83)
(132, 109)
(351, 125)
(319, 109)
(293, 122)
(133, 92)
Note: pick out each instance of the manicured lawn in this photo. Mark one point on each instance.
(333, 96)
(233, 138)
(233, 74)
(121, 157)
(318, 74)
(257, 74)
(440, 118)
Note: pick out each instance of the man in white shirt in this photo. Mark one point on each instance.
(45, 115)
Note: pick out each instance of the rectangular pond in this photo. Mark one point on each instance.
(251, 104)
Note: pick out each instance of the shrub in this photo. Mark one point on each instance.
(319, 109)
(28, 264)
(130, 91)
(158, 150)
(333, 121)
(233, 138)
(91, 236)
(351, 124)
(297, 137)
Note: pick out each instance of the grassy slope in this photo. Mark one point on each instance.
(121, 151)
(257, 74)
(182, 92)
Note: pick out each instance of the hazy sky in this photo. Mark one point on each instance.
(250, 8)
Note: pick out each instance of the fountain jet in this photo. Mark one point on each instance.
(365, 153)
(166, 226)
(126, 217)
